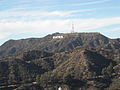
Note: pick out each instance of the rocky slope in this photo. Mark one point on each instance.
(68, 42)
(81, 70)
(26, 68)
(87, 61)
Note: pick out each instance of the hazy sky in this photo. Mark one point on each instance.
(36, 18)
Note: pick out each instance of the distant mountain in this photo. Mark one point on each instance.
(74, 61)
(68, 42)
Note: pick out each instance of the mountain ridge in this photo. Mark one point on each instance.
(68, 42)
(73, 61)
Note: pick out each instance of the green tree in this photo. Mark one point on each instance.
(47, 78)
(108, 70)
(67, 78)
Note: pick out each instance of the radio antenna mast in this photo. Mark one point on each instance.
(72, 31)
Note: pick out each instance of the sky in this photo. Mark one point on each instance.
(21, 19)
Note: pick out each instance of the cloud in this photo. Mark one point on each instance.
(34, 27)
(76, 3)
(50, 26)
(89, 24)
(112, 30)
(43, 4)
(90, 3)
(16, 15)
(4, 35)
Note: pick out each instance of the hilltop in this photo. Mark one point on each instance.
(69, 42)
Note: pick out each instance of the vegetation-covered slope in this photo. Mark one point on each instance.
(69, 42)
(77, 61)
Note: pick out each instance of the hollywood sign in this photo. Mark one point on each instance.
(57, 37)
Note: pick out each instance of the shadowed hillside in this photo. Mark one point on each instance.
(68, 42)
(75, 61)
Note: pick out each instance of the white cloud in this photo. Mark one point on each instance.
(16, 15)
(90, 3)
(34, 27)
(89, 24)
(75, 3)
(4, 35)
(112, 30)
(28, 4)
(50, 26)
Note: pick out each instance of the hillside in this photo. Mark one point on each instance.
(68, 42)
(75, 61)
(83, 69)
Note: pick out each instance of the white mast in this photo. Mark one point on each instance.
(72, 31)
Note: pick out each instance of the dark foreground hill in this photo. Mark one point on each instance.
(77, 61)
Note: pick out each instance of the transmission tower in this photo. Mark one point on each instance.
(72, 31)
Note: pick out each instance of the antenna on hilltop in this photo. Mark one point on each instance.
(72, 31)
